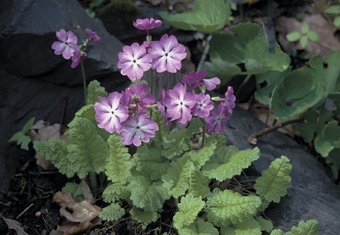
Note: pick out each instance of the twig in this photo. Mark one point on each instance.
(252, 139)
(204, 55)
(27, 208)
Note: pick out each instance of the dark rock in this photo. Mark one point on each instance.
(312, 195)
(34, 81)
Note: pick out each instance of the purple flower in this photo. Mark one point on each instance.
(134, 61)
(180, 103)
(110, 113)
(137, 129)
(230, 99)
(167, 54)
(67, 45)
(198, 80)
(93, 35)
(215, 120)
(77, 58)
(138, 94)
(161, 107)
(147, 24)
(203, 105)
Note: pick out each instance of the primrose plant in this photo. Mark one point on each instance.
(191, 170)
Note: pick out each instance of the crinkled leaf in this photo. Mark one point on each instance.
(266, 225)
(230, 205)
(277, 232)
(146, 194)
(115, 192)
(75, 189)
(163, 130)
(87, 151)
(202, 156)
(219, 138)
(229, 161)
(177, 178)
(144, 217)
(324, 143)
(266, 82)
(93, 91)
(150, 161)
(119, 165)
(263, 206)
(199, 184)
(248, 227)
(207, 16)
(310, 227)
(273, 183)
(295, 94)
(333, 159)
(247, 48)
(189, 207)
(112, 212)
(313, 122)
(199, 227)
(175, 143)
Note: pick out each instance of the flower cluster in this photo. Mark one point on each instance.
(67, 45)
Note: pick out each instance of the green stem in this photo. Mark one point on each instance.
(243, 84)
(93, 180)
(84, 81)
(203, 137)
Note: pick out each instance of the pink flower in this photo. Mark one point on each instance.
(137, 129)
(147, 24)
(161, 107)
(93, 35)
(197, 79)
(180, 103)
(138, 94)
(110, 113)
(203, 105)
(67, 45)
(230, 99)
(167, 54)
(215, 120)
(77, 58)
(134, 61)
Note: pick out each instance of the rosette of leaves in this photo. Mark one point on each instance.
(303, 36)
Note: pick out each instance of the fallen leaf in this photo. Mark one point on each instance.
(15, 225)
(70, 228)
(64, 199)
(328, 41)
(86, 190)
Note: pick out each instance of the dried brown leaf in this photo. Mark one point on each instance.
(15, 225)
(328, 41)
(86, 190)
(64, 199)
(70, 228)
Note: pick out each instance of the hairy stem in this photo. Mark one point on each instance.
(84, 81)
(252, 139)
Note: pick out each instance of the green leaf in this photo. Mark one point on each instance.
(146, 194)
(115, 192)
(228, 162)
(75, 189)
(310, 227)
(163, 130)
(199, 184)
(177, 178)
(273, 183)
(189, 207)
(336, 21)
(324, 143)
(248, 227)
(219, 138)
(28, 126)
(233, 206)
(87, 151)
(150, 161)
(202, 156)
(144, 217)
(313, 36)
(293, 36)
(334, 9)
(266, 225)
(22, 137)
(119, 165)
(266, 82)
(93, 91)
(277, 232)
(313, 122)
(305, 28)
(112, 212)
(175, 143)
(199, 227)
(297, 88)
(56, 151)
(246, 47)
(303, 41)
(334, 160)
(207, 16)
(264, 205)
